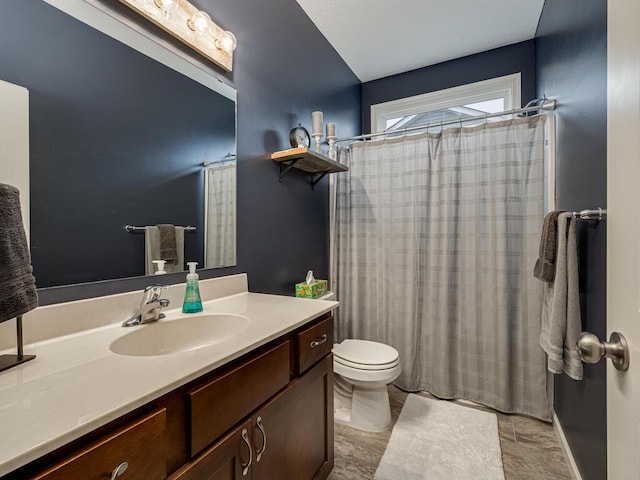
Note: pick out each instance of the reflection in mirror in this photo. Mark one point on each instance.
(220, 213)
(115, 138)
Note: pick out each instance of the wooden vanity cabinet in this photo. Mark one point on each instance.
(266, 416)
(290, 437)
(140, 445)
(228, 459)
(222, 402)
(293, 432)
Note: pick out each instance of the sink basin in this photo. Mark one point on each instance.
(179, 335)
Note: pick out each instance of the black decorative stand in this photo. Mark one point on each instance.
(9, 361)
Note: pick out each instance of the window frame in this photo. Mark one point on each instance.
(507, 87)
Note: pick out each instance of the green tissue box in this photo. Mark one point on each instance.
(314, 290)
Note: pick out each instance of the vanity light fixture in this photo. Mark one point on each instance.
(191, 26)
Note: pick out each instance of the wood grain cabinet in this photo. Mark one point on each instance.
(266, 416)
(230, 458)
(135, 452)
(293, 432)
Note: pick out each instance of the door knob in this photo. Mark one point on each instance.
(592, 349)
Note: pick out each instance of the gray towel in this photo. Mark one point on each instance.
(152, 250)
(168, 249)
(561, 323)
(17, 286)
(545, 268)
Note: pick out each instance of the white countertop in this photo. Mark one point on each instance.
(77, 383)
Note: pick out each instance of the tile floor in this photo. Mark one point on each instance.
(530, 448)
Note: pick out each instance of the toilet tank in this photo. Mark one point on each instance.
(327, 296)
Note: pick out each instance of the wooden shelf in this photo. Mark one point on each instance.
(307, 160)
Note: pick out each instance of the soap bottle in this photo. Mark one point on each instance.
(160, 266)
(192, 302)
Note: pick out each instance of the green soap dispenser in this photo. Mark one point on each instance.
(192, 302)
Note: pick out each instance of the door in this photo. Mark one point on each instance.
(293, 432)
(228, 459)
(623, 234)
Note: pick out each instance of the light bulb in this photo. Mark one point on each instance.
(199, 21)
(167, 6)
(226, 42)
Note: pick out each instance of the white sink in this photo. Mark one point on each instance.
(165, 337)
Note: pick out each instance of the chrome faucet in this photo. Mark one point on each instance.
(150, 307)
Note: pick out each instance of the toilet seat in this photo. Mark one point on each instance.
(362, 366)
(366, 355)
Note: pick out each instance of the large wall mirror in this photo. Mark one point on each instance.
(115, 138)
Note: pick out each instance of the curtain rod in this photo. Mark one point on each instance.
(546, 105)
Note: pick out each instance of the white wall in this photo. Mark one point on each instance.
(14, 142)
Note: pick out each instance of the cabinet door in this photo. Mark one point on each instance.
(228, 459)
(293, 433)
(221, 403)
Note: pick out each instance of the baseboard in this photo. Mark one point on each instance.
(571, 463)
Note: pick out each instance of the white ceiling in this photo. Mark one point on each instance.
(378, 38)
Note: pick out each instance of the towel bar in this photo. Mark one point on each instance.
(598, 214)
(131, 229)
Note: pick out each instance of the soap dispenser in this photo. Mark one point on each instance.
(192, 302)
(160, 267)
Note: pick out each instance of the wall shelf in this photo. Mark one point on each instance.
(306, 160)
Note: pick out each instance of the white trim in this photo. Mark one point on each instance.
(571, 463)
(14, 143)
(507, 87)
(550, 162)
(109, 21)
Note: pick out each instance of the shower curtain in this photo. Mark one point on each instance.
(220, 242)
(435, 240)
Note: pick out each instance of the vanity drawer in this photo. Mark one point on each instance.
(314, 343)
(221, 403)
(142, 444)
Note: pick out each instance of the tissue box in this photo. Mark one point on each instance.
(314, 290)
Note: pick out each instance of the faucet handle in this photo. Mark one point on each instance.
(152, 293)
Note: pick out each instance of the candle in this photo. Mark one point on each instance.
(317, 122)
(331, 129)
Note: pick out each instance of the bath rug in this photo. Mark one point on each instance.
(441, 440)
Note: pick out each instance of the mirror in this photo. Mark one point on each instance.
(115, 138)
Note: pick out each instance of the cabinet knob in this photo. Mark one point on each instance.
(264, 439)
(119, 470)
(245, 439)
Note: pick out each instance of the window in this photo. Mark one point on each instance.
(489, 96)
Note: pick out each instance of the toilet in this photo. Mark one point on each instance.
(362, 370)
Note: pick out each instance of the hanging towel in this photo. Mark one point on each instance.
(152, 250)
(168, 249)
(561, 323)
(545, 267)
(17, 285)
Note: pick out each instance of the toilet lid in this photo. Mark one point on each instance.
(362, 366)
(364, 352)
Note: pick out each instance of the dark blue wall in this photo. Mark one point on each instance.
(519, 57)
(283, 69)
(571, 48)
